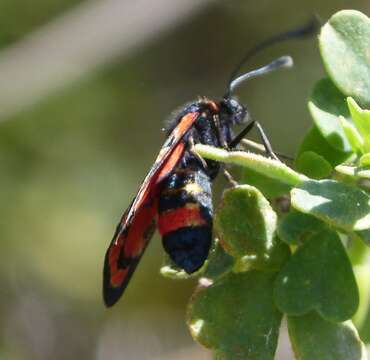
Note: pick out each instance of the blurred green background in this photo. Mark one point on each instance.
(71, 163)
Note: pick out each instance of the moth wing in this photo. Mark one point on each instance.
(138, 223)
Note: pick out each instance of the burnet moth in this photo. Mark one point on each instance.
(175, 196)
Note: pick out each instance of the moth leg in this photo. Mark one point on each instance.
(223, 142)
(238, 138)
(265, 141)
(230, 178)
(259, 147)
(196, 155)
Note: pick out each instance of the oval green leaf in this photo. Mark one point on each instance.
(326, 104)
(318, 276)
(315, 142)
(236, 316)
(313, 165)
(337, 204)
(296, 227)
(344, 44)
(315, 338)
(246, 224)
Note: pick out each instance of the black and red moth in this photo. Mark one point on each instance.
(175, 196)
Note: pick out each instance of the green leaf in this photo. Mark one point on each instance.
(357, 249)
(344, 44)
(236, 316)
(364, 330)
(219, 262)
(246, 224)
(362, 273)
(326, 104)
(269, 187)
(364, 235)
(316, 143)
(365, 159)
(314, 338)
(355, 139)
(268, 167)
(276, 259)
(357, 172)
(318, 276)
(313, 165)
(361, 118)
(337, 204)
(170, 270)
(296, 227)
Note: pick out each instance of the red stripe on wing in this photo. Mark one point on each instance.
(156, 174)
(130, 245)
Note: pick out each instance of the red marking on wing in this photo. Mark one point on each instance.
(171, 162)
(131, 244)
(155, 174)
(172, 220)
(135, 228)
(137, 234)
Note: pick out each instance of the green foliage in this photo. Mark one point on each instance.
(352, 134)
(320, 275)
(365, 160)
(303, 260)
(344, 44)
(313, 165)
(362, 273)
(246, 226)
(313, 337)
(236, 316)
(296, 227)
(340, 205)
(364, 235)
(269, 168)
(219, 262)
(315, 142)
(361, 119)
(326, 104)
(268, 186)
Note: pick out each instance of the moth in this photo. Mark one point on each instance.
(175, 196)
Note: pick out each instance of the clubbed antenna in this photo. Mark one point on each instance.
(281, 62)
(307, 30)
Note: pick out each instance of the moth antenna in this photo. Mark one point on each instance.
(280, 63)
(303, 31)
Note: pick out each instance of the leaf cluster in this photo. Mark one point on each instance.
(293, 241)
